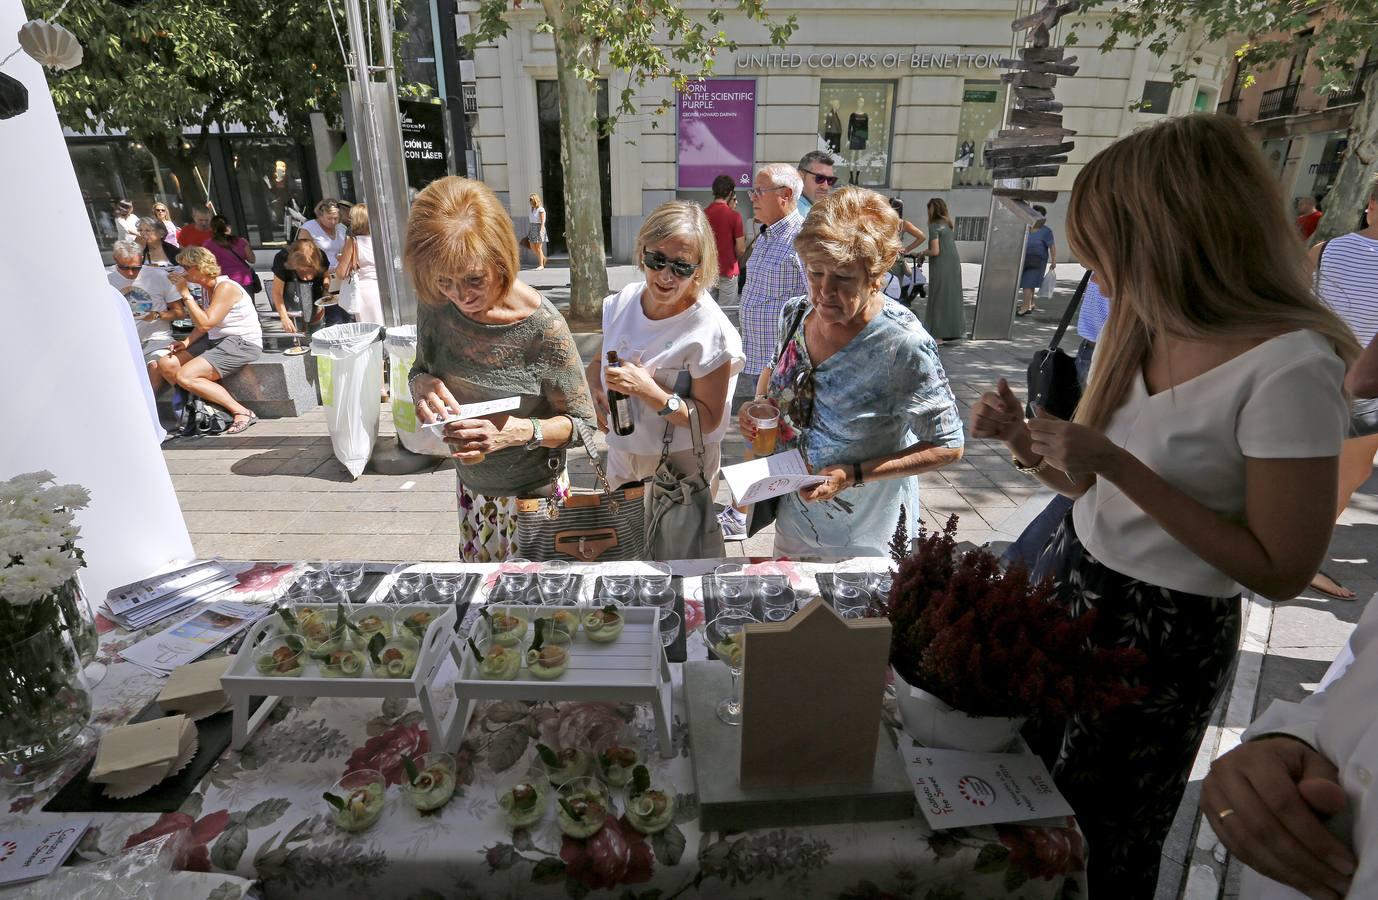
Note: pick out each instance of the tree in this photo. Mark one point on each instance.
(647, 39)
(1270, 32)
(166, 73)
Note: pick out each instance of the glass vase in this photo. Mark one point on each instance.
(45, 696)
(78, 618)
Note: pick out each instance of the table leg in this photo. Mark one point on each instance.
(664, 709)
(244, 724)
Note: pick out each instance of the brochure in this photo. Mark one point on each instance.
(957, 789)
(769, 476)
(474, 411)
(194, 638)
(30, 853)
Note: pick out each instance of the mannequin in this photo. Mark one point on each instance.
(832, 129)
(858, 132)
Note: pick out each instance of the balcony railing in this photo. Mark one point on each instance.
(1228, 107)
(1279, 101)
(1355, 93)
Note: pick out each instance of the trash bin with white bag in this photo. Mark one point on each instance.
(401, 345)
(349, 368)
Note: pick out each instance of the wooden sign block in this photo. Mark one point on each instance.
(1043, 54)
(1046, 17)
(811, 699)
(1040, 105)
(1052, 68)
(1016, 162)
(1029, 79)
(1024, 118)
(1040, 132)
(1026, 195)
(1024, 172)
(1032, 93)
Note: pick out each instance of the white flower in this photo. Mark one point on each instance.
(69, 496)
(59, 564)
(11, 527)
(32, 581)
(11, 592)
(32, 541)
(42, 476)
(48, 518)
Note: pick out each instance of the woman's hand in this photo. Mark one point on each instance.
(632, 380)
(431, 397)
(177, 346)
(287, 324)
(1074, 449)
(837, 480)
(744, 422)
(998, 415)
(473, 439)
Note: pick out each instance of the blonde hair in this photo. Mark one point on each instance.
(937, 212)
(1224, 262)
(304, 253)
(200, 259)
(456, 226)
(852, 224)
(677, 218)
(358, 219)
(534, 200)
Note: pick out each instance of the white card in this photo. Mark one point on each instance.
(474, 411)
(957, 789)
(30, 853)
(770, 476)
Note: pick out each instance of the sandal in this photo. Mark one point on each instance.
(242, 423)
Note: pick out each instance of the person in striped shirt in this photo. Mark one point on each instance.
(1347, 281)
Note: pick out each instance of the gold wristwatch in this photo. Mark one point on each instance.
(1028, 470)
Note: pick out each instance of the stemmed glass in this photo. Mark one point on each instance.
(296, 349)
(345, 577)
(655, 585)
(618, 583)
(407, 583)
(726, 636)
(514, 580)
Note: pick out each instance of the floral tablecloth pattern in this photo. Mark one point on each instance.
(259, 814)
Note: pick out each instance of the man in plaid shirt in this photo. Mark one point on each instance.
(774, 273)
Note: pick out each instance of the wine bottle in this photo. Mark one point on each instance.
(619, 404)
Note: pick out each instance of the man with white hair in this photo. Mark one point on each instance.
(774, 274)
(153, 301)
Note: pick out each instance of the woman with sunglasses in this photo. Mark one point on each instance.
(861, 392)
(675, 345)
(162, 214)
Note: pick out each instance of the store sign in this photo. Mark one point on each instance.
(717, 132)
(423, 142)
(917, 58)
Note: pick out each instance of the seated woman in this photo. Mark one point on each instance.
(483, 335)
(229, 322)
(299, 274)
(155, 248)
(861, 392)
(669, 335)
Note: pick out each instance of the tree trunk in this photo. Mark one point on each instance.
(583, 183)
(183, 164)
(1347, 198)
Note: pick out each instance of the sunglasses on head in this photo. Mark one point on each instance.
(820, 178)
(655, 261)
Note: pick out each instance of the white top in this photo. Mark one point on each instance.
(537, 214)
(171, 232)
(150, 291)
(1348, 283)
(1280, 400)
(330, 245)
(241, 320)
(128, 226)
(365, 267)
(1340, 721)
(697, 341)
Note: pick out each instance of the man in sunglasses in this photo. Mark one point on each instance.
(816, 168)
(153, 301)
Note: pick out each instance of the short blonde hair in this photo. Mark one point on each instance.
(200, 259)
(358, 219)
(678, 218)
(534, 199)
(852, 225)
(457, 224)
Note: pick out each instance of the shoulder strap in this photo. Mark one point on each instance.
(691, 406)
(1071, 310)
(1319, 256)
(788, 332)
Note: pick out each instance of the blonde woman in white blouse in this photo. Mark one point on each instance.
(1198, 458)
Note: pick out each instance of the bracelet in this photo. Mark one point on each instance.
(1029, 470)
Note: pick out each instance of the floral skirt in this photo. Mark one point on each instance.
(1125, 773)
(488, 525)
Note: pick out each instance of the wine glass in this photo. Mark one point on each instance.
(407, 583)
(726, 637)
(618, 583)
(731, 584)
(514, 580)
(447, 584)
(553, 581)
(345, 576)
(670, 624)
(655, 584)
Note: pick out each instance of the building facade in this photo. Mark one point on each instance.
(904, 95)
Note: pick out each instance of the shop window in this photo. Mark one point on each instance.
(118, 168)
(855, 123)
(268, 176)
(983, 108)
(1157, 97)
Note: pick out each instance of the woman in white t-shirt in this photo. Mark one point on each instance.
(675, 345)
(1198, 457)
(536, 236)
(326, 230)
(230, 324)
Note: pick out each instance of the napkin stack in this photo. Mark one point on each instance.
(133, 758)
(194, 690)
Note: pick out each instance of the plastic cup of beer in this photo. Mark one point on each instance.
(766, 418)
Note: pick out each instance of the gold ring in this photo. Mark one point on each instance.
(1223, 813)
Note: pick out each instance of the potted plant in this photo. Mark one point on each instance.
(977, 650)
(47, 632)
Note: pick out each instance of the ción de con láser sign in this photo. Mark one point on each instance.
(918, 58)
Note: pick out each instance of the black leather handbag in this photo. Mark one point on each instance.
(1053, 382)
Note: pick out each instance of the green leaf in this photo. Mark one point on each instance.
(266, 812)
(229, 847)
(337, 802)
(375, 647)
(548, 871)
(539, 640)
(1014, 879)
(286, 615)
(569, 810)
(412, 772)
(641, 781)
(944, 845)
(548, 756)
(478, 654)
(483, 611)
(507, 747)
(611, 609)
(992, 858)
(669, 845)
(340, 619)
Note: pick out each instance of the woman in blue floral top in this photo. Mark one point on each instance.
(861, 392)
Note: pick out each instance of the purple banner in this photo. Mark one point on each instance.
(717, 132)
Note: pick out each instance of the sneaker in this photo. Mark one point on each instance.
(733, 524)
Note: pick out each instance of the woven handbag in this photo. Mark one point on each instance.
(588, 525)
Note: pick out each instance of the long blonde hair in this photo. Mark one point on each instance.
(1187, 233)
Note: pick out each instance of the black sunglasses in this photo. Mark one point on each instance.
(655, 261)
(820, 178)
(128, 268)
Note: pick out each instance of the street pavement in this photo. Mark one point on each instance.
(277, 492)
